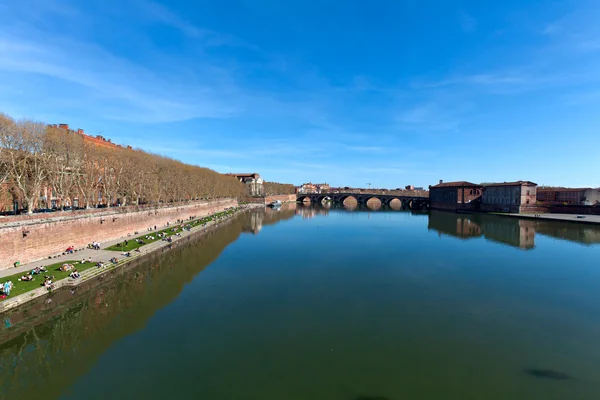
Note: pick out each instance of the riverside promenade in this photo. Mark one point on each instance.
(104, 256)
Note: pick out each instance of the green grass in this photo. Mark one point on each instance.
(170, 231)
(24, 287)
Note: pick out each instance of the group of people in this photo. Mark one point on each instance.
(48, 282)
(94, 246)
(36, 271)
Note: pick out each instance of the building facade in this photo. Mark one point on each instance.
(454, 195)
(253, 183)
(576, 196)
(511, 197)
(313, 188)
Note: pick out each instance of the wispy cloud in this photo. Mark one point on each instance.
(467, 22)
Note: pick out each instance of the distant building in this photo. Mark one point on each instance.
(508, 196)
(313, 188)
(322, 187)
(253, 182)
(307, 188)
(409, 187)
(454, 195)
(578, 196)
(98, 140)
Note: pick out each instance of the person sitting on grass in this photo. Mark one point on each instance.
(48, 281)
(26, 278)
(75, 274)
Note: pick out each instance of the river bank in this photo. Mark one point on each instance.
(104, 256)
(30, 240)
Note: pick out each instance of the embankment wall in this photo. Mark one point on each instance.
(284, 198)
(33, 240)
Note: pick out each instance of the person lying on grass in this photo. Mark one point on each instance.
(26, 278)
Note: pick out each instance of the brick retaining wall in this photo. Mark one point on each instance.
(284, 198)
(33, 241)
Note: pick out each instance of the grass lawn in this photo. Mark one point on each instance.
(22, 287)
(170, 231)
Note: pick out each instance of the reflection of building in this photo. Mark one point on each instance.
(581, 233)
(256, 222)
(253, 182)
(308, 212)
(510, 231)
(508, 196)
(457, 225)
(454, 195)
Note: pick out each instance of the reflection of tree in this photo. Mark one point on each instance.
(43, 353)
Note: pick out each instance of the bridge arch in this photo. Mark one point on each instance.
(343, 197)
(388, 201)
(303, 198)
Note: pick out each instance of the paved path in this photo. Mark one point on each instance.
(102, 255)
(590, 219)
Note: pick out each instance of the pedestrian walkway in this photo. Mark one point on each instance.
(103, 255)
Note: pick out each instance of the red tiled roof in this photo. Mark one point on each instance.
(455, 184)
(517, 183)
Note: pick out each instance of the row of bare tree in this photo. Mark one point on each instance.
(37, 159)
(274, 189)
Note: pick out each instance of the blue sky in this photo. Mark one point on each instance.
(385, 92)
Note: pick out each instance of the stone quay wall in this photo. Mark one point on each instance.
(284, 198)
(32, 240)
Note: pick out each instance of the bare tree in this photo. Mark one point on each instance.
(64, 152)
(7, 132)
(90, 174)
(27, 161)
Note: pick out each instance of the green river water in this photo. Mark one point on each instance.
(310, 303)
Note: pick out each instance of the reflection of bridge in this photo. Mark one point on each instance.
(414, 202)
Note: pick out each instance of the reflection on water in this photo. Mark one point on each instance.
(269, 216)
(511, 231)
(46, 345)
(361, 305)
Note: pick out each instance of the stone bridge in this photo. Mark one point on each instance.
(413, 202)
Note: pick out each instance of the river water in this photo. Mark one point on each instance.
(316, 303)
